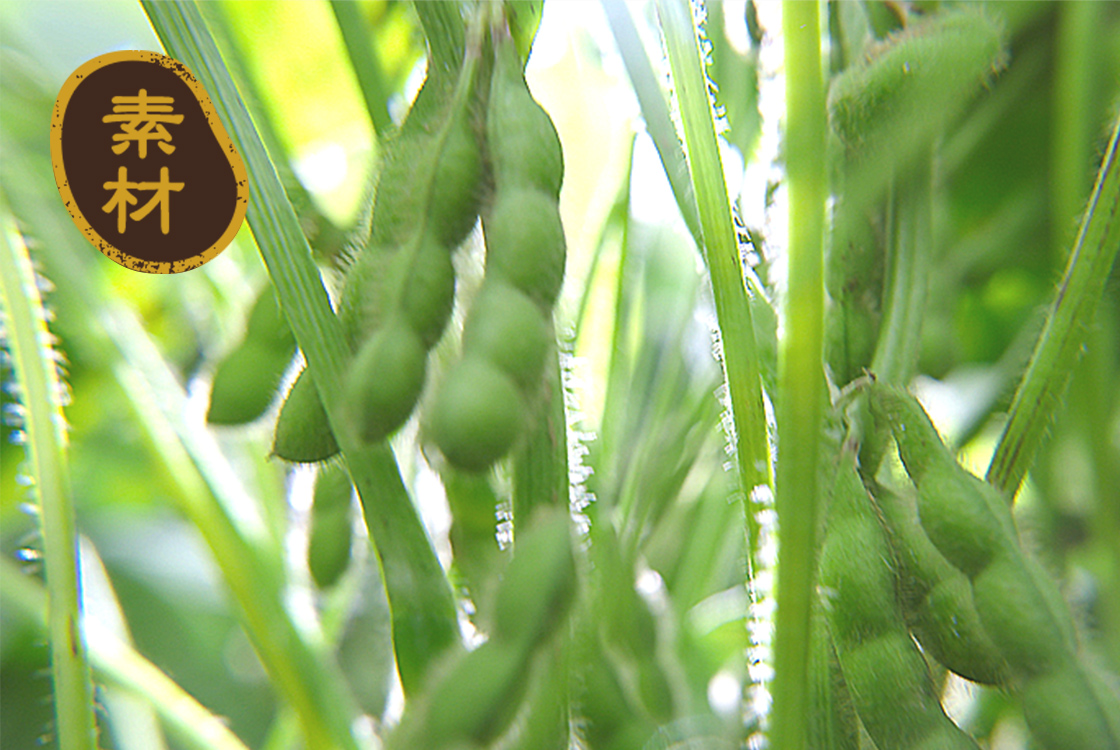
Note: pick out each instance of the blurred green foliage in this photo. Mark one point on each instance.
(664, 621)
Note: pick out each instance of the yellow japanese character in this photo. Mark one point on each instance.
(142, 118)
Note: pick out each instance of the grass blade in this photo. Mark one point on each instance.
(721, 252)
(424, 619)
(367, 68)
(1066, 330)
(655, 112)
(36, 370)
(119, 663)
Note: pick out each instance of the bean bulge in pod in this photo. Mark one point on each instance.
(509, 329)
(384, 380)
(526, 147)
(429, 290)
(456, 188)
(525, 243)
(477, 415)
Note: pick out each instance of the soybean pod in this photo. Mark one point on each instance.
(477, 695)
(885, 673)
(245, 382)
(303, 434)
(332, 525)
(399, 292)
(936, 598)
(539, 585)
(385, 379)
(486, 399)
(1066, 705)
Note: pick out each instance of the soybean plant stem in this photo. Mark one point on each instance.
(35, 367)
(801, 386)
(1066, 330)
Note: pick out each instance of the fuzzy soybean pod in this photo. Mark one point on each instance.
(1065, 704)
(540, 583)
(303, 434)
(246, 380)
(484, 404)
(886, 675)
(936, 597)
(385, 379)
(427, 202)
(471, 703)
(332, 525)
(887, 108)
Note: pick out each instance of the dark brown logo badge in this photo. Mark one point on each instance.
(143, 164)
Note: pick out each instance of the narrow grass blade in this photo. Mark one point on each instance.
(35, 366)
(655, 111)
(118, 663)
(1040, 391)
(721, 252)
(367, 68)
(801, 385)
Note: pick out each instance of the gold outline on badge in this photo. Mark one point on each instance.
(232, 157)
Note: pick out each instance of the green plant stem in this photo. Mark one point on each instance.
(35, 367)
(801, 384)
(367, 68)
(118, 663)
(1080, 27)
(1066, 329)
(423, 610)
(721, 252)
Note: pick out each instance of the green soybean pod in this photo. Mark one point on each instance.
(474, 701)
(478, 414)
(525, 243)
(1019, 605)
(540, 583)
(332, 525)
(936, 597)
(384, 380)
(833, 721)
(456, 187)
(267, 325)
(505, 327)
(964, 517)
(524, 237)
(525, 149)
(885, 673)
(909, 89)
(364, 301)
(245, 382)
(429, 291)
(303, 433)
